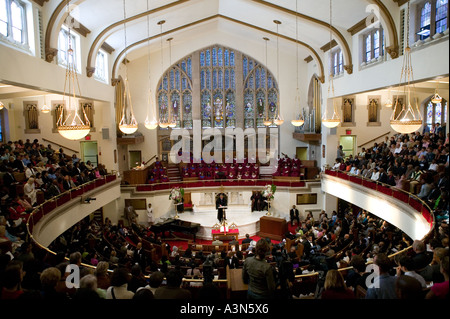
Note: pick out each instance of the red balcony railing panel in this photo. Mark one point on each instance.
(76, 192)
(384, 189)
(63, 199)
(401, 196)
(48, 207)
(37, 216)
(110, 178)
(144, 188)
(100, 182)
(417, 205)
(369, 184)
(355, 179)
(427, 215)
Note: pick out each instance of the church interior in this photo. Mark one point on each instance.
(173, 149)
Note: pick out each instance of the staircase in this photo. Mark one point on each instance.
(173, 173)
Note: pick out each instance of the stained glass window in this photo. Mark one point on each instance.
(368, 47)
(174, 94)
(260, 95)
(376, 44)
(425, 21)
(217, 88)
(187, 110)
(436, 113)
(441, 15)
(430, 114)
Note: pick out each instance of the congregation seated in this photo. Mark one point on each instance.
(31, 173)
(412, 162)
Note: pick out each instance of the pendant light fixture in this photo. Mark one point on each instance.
(299, 120)
(436, 98)
(406, 117)
(128, 124)
(149, 124)
(172, 120)
(334, 120)
(163, 121)
(1, 105)
(388, 101)
(73, 127)
(45, 108)
(278, 119)
(267, 121)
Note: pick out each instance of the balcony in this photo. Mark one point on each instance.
(402, 209)
(56, 215)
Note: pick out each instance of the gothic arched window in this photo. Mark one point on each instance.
(174, 94)
(260, 93)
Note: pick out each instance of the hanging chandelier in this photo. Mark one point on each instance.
(267, 121)
(163, 121)
(45, 108)
(149, 124)
(299, 121)
(128, 123)
(278, 119)
(73, 127)
(436, 98)
(172, 120)
(406, 117)
(334, 120)
(389, 101)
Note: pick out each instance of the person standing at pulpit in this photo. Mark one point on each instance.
(221, 202)
(294, 215)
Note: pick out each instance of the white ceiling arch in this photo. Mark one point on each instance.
(105, 20)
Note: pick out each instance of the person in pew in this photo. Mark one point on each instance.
(173, 288)
(231, 260)
(259, 274)
(247, 239)
(29, 190)
(53, 190)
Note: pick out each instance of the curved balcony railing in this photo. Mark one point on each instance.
(408, 198)
(49, 205)
(219, 183)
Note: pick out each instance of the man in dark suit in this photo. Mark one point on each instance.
(247, 239)
(139, 255)
(308, 245)
(231, 261)
(294, 215)
(221, 202)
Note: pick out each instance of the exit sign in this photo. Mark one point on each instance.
(87, 138)
(348, 132)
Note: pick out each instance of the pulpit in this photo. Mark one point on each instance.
(272, 227)
(136, 176)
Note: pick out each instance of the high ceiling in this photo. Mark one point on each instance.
(186, 20)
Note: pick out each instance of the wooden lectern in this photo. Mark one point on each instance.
(136, 176)
(272, 227)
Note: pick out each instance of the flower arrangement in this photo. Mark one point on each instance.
(269, 191)
(176, 194)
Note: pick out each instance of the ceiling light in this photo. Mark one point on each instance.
(406, 117)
